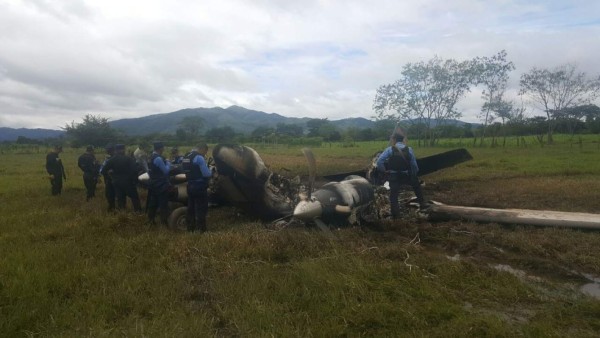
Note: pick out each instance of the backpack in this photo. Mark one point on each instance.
(400, 159)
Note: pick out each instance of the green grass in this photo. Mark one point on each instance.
(69, 269)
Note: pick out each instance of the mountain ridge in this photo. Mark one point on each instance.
(240, 119)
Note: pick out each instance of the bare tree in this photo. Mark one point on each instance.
(558, 89)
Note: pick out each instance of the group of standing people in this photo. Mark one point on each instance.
(120, 173)
(397, 162)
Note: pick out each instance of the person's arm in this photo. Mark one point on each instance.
(413, 162)
(49, 163)
(80, 163)
(162, 166)
(382, 158)
(200, 162)
(62, 168)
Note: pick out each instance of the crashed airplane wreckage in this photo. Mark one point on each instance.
(244, 181)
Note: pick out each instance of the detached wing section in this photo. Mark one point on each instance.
(444, 160)
(427, 165)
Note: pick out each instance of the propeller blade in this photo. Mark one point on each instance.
(312, 168)
(325, 228)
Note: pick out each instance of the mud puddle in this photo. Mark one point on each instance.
(592, 288)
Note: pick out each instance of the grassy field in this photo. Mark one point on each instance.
(67, 268)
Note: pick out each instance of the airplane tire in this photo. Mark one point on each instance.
(178, 219)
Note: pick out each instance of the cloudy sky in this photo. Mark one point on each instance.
(62, 59)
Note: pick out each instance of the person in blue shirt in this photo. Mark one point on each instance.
(159, 185)
(198, 176)
(399, 164)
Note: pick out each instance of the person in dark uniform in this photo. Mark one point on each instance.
(123, 172)
(198, 175)
(55, 169)
(88, 164)
(175, 157)
(398, 162)
(159, 185)
(109, 189)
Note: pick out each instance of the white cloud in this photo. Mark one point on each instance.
(61, 60)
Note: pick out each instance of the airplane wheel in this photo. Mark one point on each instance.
(178, 219)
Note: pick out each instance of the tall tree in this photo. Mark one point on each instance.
(572, 117)
(191, 126)
(289, 129)
(93, 130)
(315, 126)
(592, 118)
(426, 92)
(558, 89)
(220, 134)
(492, 74)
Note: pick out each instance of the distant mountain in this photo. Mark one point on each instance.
(240, 119)
(11, 134)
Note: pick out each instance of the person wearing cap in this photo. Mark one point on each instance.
(399, 164)
(109, 189)
(198, 176)
(56, 170)
(88, 164)
(123, 172)
(159, 185)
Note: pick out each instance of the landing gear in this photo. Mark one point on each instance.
(178, 219)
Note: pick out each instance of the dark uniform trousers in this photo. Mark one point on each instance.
(197, 206)
(158, 198)
(90, 180)
(109, 192)
(56, 184)
(125, 187)
(396, 182)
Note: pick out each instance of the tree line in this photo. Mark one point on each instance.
(424, 98)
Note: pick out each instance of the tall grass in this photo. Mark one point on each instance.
(68, 268)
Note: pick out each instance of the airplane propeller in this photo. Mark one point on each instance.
(312, 169)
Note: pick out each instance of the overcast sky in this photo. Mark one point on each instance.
(61, 60)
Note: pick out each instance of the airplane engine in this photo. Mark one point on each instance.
(336, 200)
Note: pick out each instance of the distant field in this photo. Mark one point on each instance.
(67, 268)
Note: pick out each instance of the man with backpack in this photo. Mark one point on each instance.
(399, 164)
(198, 176)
